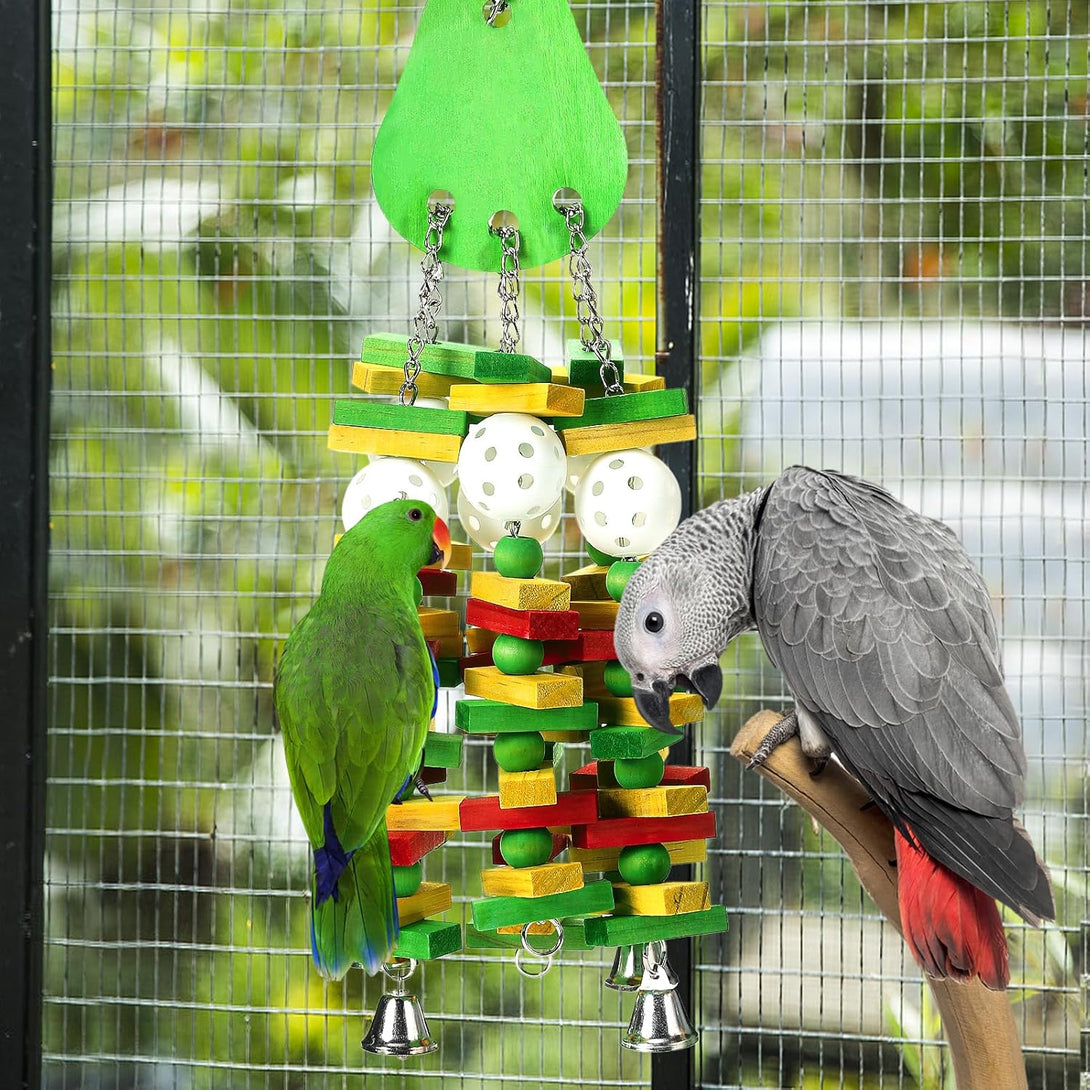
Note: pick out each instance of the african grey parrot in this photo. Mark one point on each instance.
(883, 631)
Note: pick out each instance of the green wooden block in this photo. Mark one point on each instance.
(377, 414)
(441, 358)
(495, 717)
(630, 930)
(508, 367)
(504, 911)
(624, 408)
(490, 940)
(443, 750)
(619, 743)
(450, 675)
(429, 939)
(583, 366)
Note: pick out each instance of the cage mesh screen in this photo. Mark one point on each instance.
(893, 282)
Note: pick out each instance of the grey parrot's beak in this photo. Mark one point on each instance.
(708, 682)
(654, 706)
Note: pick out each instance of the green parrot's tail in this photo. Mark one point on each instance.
(358, 922)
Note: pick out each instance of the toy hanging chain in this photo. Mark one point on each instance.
(509, 287)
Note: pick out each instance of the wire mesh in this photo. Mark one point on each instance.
(893, 282)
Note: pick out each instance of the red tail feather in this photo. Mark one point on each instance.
(951, 927)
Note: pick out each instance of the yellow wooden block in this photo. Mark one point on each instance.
(615, 802)
(436, 623)
(566, 735)
(387, 380)
(661, 899)
(537, 398)
(542, 927)
(531, 881)
(635, 433)
(587, 583)
(621, 711)
(429, 900)
(633, 384)
(605, 859)
(593, 675)
(490, 586)
(439, 813)
(525, 690)
(461, 556)
(597, 615)
(480, 639)
(404, 444)
(534, 788)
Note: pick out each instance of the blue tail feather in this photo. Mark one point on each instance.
(435, 676)
(330, 860)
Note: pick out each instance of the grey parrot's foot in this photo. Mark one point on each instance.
(422, 787)
(818, 766)
(785, 729)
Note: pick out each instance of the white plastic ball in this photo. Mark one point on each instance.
(512, 466)
(627, 503)
(388, 479)
(486, 531)
(578, 464)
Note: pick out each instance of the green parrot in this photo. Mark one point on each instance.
(354, 692)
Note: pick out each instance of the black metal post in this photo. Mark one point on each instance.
(24, 430)
(677, 358)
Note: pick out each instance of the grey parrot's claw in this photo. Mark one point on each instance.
(786, 728)
(422, 787)
(819, 767)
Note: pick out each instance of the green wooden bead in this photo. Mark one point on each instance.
(644, 864)
(599, 557)
(617, 680)
(407, 879)
(518, 557)
(639, 771)
(620, 571)
(519, 752)
(514, 655)
(526, 847)
(418, 591)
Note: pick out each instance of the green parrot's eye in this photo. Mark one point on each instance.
(653, 622)
(416, 514)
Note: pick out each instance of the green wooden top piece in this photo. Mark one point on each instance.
(377, 414)
(466, 362)
(443, 750)
(647, 405)
(429, 939)
(618, 743)
(495, 717)
(509, 367)
(501, 117)
(506, 911)
(584, 368)
(630, 930)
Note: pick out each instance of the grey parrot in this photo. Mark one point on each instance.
(884, 634)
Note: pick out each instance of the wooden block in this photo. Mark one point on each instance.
(640, 433)
(615, 802)
(443, 750)
(600, 774)
(480, 640)
(597, 614)
(498, 717)
(566, 735)
(401, 444)
(541, 937)
(440, 358)
(508, 367)
(632, 930)
(592, 673)
(540, 881)
(571, 808)
(450, 675)
(542, 594)
(536, 398)
(440, 813)
(651, 405)
(560, 844)
(587, 583)
(525, 690)
(591, 645)
(605, 859)
(534, 788)
(471, 662)
(618, 832)
(661, 899)
(437, 623)
(407, 848)
(438, 582)
(538, 927)
(411, 418)
(530, 624)
(388, 380)
(506, 911)
(461, 558)
(612, 743)
(621, 711)
(429, 900)
(427, 940)
(430, 775)
(634, 384)
(584, 367)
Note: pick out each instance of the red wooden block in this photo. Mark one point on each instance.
(467, 662)
(617, 832)
(589, 646)
(435, 646)
(407, 848)
(436, 581)
(570, 808)
(560, 843)
(530, 624)
(586, 778)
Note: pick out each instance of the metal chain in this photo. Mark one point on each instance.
(509, 287)
(493, 10)
(424, 330)
(586, 299)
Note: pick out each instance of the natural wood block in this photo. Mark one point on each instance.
(440, 813)
(545, 594)
(632, 930)
(540, 881)
(651, 405)
(530, 624)
(640, 433)
(600, 774)
(661, 899)
(616, 802)
(605, 859)
(443, 750)
(426, 940)
(429, 900)
(536, 398)
(588, 582)
(439, 582)
(570, 808)
(538, 927)
(409, 847)
(591, 645)
(401, 444)
(594, 686)
(507, 911)
(618, 832)
(388, 380)
(621, 711)
(413, 418)
(480, 640)
(437, 623)
(534, 788)
(596, 614)
(499, 717)
(560, 843)
(525, 690)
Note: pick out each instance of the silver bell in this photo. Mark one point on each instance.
(627, 968)
(659, 1022)
(399, 1027)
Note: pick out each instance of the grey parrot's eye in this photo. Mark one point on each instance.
(653, 622)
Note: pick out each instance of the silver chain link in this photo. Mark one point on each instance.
(509, 287)
(586, 299)
(424, 330)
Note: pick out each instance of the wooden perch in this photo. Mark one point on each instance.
(979, 1023)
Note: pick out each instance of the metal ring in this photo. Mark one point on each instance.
(524, 940)
(399, 969)
(545, 963)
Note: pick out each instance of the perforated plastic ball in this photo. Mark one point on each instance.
(511, 466)
(627, 503)
(578, 464)
(487, 531)
(388, 479)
